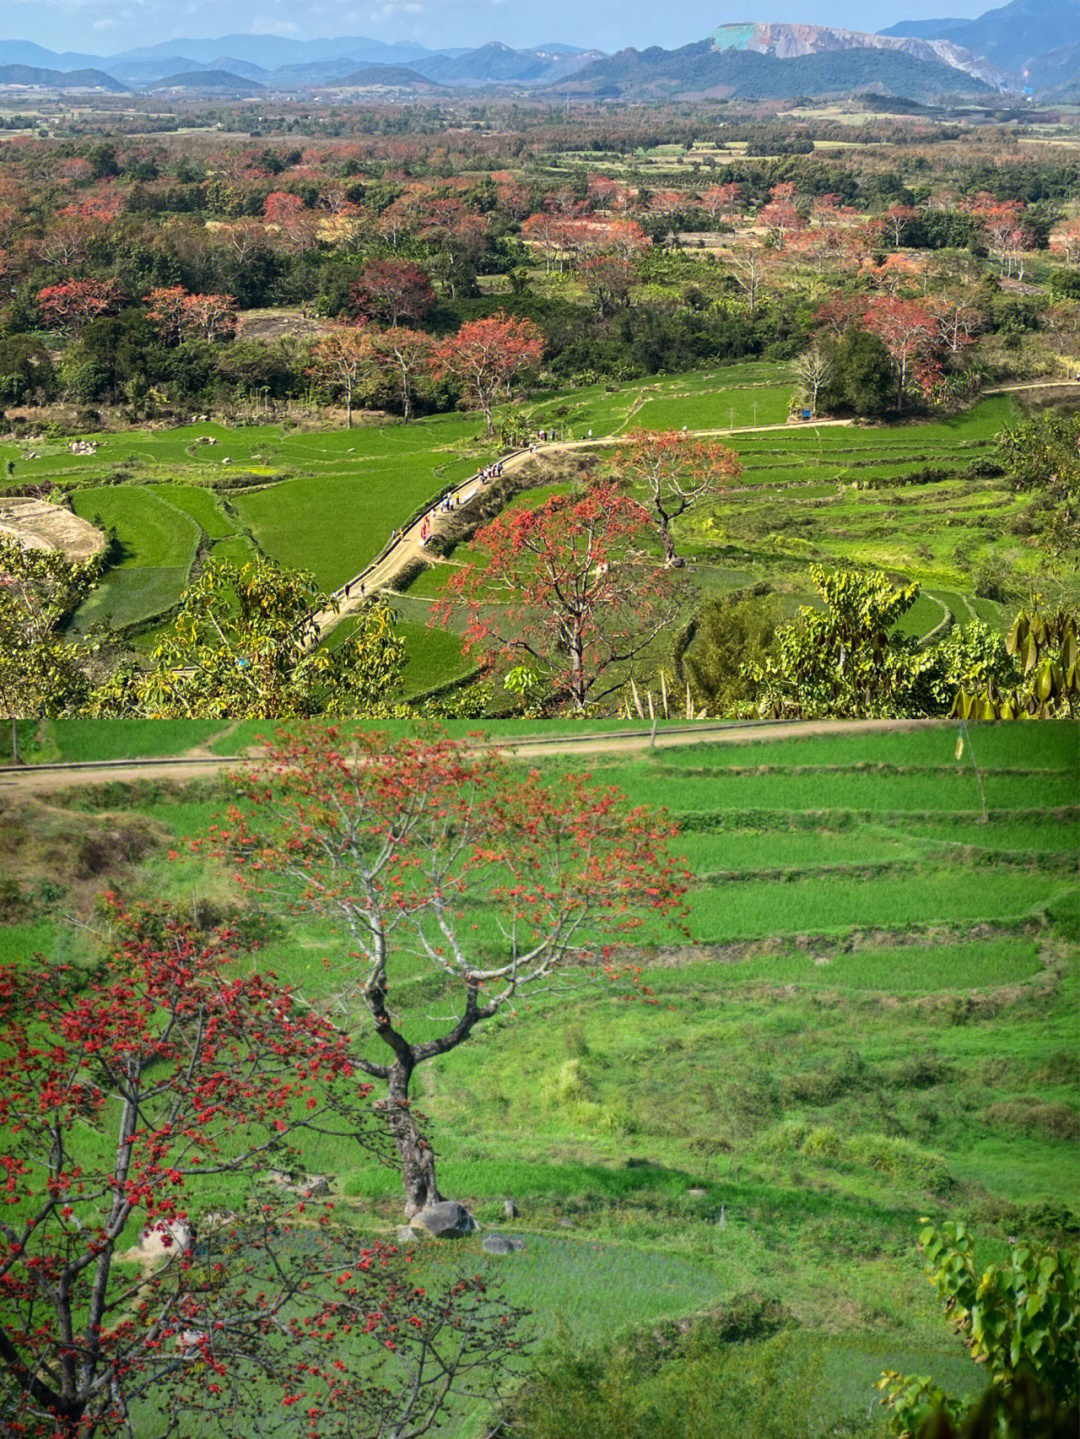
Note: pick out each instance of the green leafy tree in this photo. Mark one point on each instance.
(1044, 681)
(1043, 456)
(847, 660)
(1018, 1319)
(26, 371)
(731, 633)
(41, 673)
(970, 657)
(246, 645)
(861, 375)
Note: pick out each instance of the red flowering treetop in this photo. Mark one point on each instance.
(568, 586)
(676, 471)
(392, 292)
(451, 865)
(75, 303)
(181, 316)
(486, 356)
(135, 1098)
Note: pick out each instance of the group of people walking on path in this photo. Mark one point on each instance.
(445, 505)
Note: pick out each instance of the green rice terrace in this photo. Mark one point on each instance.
(872, 1018)
(920, 500)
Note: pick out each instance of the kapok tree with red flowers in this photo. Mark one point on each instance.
(179, 315)
(341, 360)
(486, 356)
(676, 471)
(909, 333)
(392, 292)
(136, 1096)
(448, 872)
(569, 586)
(72, 305)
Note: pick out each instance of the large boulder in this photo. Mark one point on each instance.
(446, 1220)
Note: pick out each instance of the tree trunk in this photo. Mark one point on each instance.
(416, 1155)
(665, 535)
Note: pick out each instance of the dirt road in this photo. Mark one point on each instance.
(18, 783)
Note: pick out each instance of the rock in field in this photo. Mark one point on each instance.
(446, 1220)
(500, 1244)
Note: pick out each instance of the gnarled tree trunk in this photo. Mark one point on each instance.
(416, 1154)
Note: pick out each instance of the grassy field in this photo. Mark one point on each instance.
(872, 1018)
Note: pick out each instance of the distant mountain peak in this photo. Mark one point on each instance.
(788, 42)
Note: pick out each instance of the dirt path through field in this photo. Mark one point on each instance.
(406, 547)
(19, 783)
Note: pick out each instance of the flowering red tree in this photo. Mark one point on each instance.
(138, 1095)
(295, 223)
(565, 585)
(781, 215)
(909, 333)
(676, 472)
(73, 305)
(180, 316)
(439, 864)
(721, 202)
(392, 291)
(1007, 235)
(486, 356)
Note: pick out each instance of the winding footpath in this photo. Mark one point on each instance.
(407, 546)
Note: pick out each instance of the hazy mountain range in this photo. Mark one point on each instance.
(1021, 46)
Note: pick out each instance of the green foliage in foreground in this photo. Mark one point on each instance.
(1018, 1319)
(850, 660)
(1047, 654)
(40, 672)
(245, 645)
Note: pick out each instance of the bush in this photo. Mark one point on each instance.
(738, 1370)
(900, 1160)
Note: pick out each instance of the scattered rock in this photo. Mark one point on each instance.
(566, 1224)
(217, 1219)
(446, 1220)
(161, 1239)
(309, 1186)
(500, 1244)
(510, 1209)
(697, 1193)
(405, 1235)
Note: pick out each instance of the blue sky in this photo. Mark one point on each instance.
(108, 26)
